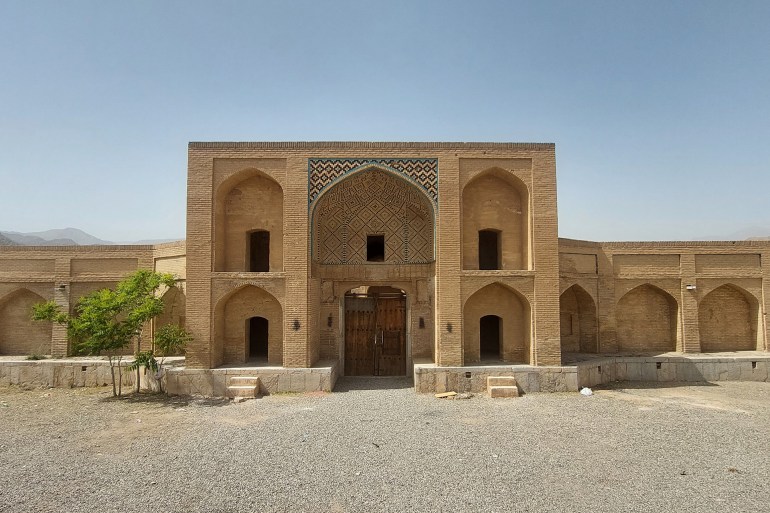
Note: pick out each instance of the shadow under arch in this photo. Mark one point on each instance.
(578, 321)
(728, 320)
(492, 200)
(245, 202)
(514, 329)
(19, 334)
(647, 320)
(232, 315)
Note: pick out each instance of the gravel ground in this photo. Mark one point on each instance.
(374, 445)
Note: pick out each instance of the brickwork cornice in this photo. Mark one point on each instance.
(366, 145)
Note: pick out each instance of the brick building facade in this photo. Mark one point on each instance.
(379, 258)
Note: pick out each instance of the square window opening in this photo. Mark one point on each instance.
(375, 248)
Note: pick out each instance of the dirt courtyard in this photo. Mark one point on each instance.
(375, 445)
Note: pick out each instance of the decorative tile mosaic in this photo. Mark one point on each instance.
(374, 202)
(323, 172)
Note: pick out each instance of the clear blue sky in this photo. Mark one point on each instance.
(660, 110)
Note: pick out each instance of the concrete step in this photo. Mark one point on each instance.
(244, 380)
(501, 381)
(242, 391)
(503, 391)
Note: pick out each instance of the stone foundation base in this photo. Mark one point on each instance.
(64, 373)
(430, 378)
(214, 382)
(668, 368)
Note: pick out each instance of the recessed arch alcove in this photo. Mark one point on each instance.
(233, 323)
(728, 320)
(495, 212)
(496, 311)
(577, 320)
(248, 209)
(19, 334)
(647, 320)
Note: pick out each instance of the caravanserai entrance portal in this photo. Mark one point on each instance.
(375, 334)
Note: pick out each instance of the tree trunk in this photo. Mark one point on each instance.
(112, 373)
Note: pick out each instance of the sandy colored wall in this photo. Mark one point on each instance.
(671, 296)
(529, 246)
(30, 274)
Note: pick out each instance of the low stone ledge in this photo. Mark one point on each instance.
(431, 378)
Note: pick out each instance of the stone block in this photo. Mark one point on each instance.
(269, 383)
(509, 381)
(249, 391)
(528, 382)
(313, 382)
(621, 371)
(571, 381)
(634, 371)
(297, 382)
(502, 391)
(667, 372)
(649, 371)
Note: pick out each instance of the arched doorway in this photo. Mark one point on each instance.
(496, 326)
(490, 331)
(375, 332)
(259, 336)
(240, 335)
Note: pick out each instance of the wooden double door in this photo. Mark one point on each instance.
(375, 334)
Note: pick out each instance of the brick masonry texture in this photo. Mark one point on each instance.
(318, 201)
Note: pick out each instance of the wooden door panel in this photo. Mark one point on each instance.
(375, 336)
(391, 350)
(360, 320)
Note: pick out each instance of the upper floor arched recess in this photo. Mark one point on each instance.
(495, 222)
(248, 223)
(373, 215)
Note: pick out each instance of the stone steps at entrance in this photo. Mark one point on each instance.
(244, 380)
(501, 381)
(502, 386)
(243, 387)
(503, 391)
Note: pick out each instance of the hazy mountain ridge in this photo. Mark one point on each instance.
(5, 241)
(66, 237)
(56, 237)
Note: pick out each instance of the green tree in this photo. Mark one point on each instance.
(107, 321)
(169, 339)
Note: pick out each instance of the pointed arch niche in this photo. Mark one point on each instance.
(577, 318)
(728, 320)
(233, 325)
(248, 203)
(496, 311)
(495, 212)
(373, 215)
(19, 334)
(647, 320)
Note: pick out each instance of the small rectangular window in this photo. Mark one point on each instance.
(489, 250)
(259, 251)
(375, 248)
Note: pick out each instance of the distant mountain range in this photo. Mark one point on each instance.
(62, 237)
(5, 241)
